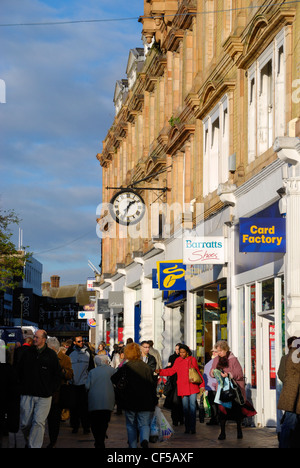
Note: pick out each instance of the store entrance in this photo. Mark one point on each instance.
(267, 366)
(211, 319)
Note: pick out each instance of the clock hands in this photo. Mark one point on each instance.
(127, 209)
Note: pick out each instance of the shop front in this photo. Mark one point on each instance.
(260, 308)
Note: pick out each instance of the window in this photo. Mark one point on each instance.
(216, 147)
(266, 99)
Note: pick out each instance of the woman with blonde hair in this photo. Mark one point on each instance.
(136, 388)
(227, 365)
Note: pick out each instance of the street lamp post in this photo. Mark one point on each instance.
(21, 299)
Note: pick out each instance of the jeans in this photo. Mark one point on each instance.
(33, 415)
(189, 403)
(138, 421)
(289, 424)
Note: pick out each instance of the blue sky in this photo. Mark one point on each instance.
(60, 81)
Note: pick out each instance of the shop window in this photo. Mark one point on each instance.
(216, 147)
(266, 86)
(268, 295)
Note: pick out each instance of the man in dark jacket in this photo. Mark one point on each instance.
(147, 357)
(39, 375)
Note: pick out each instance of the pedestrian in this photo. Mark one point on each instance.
(173, 401)
(39, 375)
(228, 366)
(136, 383)
(28, 342)
(187, 389)
(102, 350)
(147, 357)
(154, 352)
(82, 362)
(211, 388)
(281, 376)
(121, 361)
(289, 400)
(9, 401)
(101, 398)
(54, 416)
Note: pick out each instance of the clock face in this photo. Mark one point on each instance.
(127, 207)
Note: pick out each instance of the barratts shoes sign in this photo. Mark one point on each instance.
(263, 235)
(204, 250)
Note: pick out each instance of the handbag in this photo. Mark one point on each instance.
(168, 388)
(122, 383)
(194, 377)
(238, 392)
(233, 393)
(228, 395)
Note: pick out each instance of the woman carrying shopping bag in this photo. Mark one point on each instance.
(225, 367)
(188, 385)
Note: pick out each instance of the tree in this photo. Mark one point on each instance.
(11, 260)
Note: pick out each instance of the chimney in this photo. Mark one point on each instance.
(55, 281)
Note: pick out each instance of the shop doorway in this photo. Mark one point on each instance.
(211, 319)
(264, 340)
(267, 367)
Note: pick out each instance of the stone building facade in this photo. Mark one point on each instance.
(208, 134)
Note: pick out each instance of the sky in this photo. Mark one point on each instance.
(58, 107)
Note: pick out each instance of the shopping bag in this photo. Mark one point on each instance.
(207, 407)
(165, 429)
(154, 429)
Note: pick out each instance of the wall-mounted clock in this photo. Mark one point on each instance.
(127, 207)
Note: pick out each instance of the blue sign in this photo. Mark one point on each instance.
(154, 279)
(263, 235)
(171, 275)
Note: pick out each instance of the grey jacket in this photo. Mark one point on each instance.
(101, 393)
(82, 362)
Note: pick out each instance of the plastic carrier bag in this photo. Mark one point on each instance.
(164, 428)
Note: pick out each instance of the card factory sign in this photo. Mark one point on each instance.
(204, 250)
(262, 235)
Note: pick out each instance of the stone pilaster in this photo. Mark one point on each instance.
(292, 262)
(147, 325)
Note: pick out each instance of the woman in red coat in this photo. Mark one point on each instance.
(186, 389)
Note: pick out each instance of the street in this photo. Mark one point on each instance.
(205, 437)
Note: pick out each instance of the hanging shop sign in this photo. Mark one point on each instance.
(263, 235)
(84, 315)
(115, 299)
(102, 306)
(171, 275)
(90, 284)
(92, 323)
(204, 250)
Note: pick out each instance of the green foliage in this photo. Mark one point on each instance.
(11, 261)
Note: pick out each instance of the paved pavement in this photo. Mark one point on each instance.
(205, 437)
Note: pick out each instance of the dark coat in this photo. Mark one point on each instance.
(289, 399)
(152, 362)
(9, 398)
(139, 392)
(39, 372)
